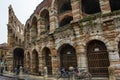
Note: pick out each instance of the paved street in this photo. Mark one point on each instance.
(12, 76)
(7, 78)
(25, 78)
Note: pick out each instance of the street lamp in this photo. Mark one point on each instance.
(0, 64)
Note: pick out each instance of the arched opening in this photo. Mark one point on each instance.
(45, 20)
(18, 58)
(25, 35)
(16, 38)
(28, 33)
(114, 4)
(13, 35)
(97, 56)
(119, 48)
(2, 56)
(66, 21)
(34, 29)
(20, 41)
(35, 61)
(64, 5)
(48, 60)
(68, 56)
(91, 6)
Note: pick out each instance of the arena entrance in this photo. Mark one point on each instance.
(68, 56)
(35, 61)
(47, 59)
(98, 61)
(18, 58)
(119, 48)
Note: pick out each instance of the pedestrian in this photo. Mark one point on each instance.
(17, 71)
(2, 67)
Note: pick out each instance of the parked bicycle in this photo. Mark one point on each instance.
(62, 73)
(82, 74)
(77, 73)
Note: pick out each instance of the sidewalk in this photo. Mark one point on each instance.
(33, 77)
(23, 76)
(29, 77)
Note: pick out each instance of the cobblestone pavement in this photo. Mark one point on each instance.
(7, 78)
(11, 78)
(17, 77)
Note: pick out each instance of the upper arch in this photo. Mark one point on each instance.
(100, 38)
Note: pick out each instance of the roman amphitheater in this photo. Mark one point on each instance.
(67, 33)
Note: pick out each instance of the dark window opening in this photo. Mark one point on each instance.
(18, 57)
(35, 61)
(91, 6)
(34, 21)
(119, 48)
(115, 5)
(65, 7)
(46, 21)
(48, 61)
(66, 21)
(34, 30)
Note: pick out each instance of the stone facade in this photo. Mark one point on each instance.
(62, 26)
(15, 37)
(3, 52)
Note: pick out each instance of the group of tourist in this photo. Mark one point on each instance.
(19, 69)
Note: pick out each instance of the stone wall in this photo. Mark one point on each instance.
(84, 28)
(15, 36)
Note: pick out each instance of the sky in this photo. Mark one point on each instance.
(22, 8)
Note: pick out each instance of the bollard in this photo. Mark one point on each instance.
(111, 73)
(21, 70)
(72, 77)
(45, 72)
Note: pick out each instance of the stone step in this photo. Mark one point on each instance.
(117, 78)
(100, 78)
(94, 78)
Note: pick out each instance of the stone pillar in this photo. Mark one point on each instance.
(53, 19)
(55, 62)
(105, 6)
(83, 60)
(41, 64)
(114, 62)
(113, 57)
(33, 32)
(81, 57)
(25, 60)
(42, 24)
(55, 65)
(77, 30)
(31, 64)
(38, 27)
(76, 9)
(10, 36)
(9, 61)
